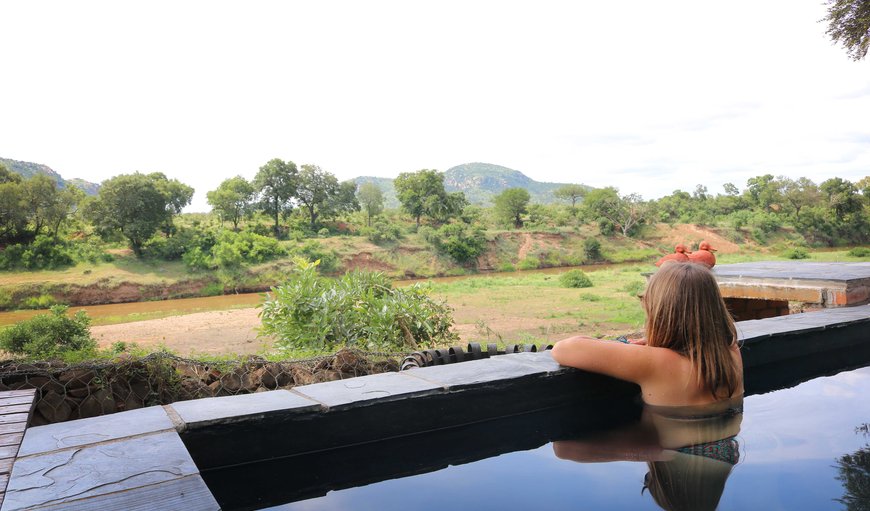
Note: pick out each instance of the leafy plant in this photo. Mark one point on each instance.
(575, 278)
(47, 335)
(529, 263)
(358, 309)
(796, 253)
(859, 252)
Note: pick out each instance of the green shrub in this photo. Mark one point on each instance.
(382, 232)
(89, 252)
(592, 249)
(359, 309)
(634, 288)
(48, 335)
(859, 252)
(460, 241)
(314, 251)
(507, 267)
(43, 253)
(323, 232)
(5, 299)
(43, 301)
(575, 278)
(184, 240)
(529, 263)
(796, 253)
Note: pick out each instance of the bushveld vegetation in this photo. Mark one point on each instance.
(258, 228)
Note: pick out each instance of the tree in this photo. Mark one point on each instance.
(570, 192)
(176, 194)
(131, 204)
(842, 197)
(763, 191)
(276, 185)
(40, 196)
(7, 176)
(799, 193)
(849, 24)
(511, 204)
(371, 198)
(315, 189)
(625, 212)
(232, 199)
(13, 210)
(342, 201)
(422, 193)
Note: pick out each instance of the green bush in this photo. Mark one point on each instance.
(382, 232)
(43, 253)
(232, 250)
(507, 267)
(575, 278)
(5, 299)
(48, 335)
(359, 309)
(796, 253)
(184, 240)
(323, 232)
(43, 301)
(859, 252)
(460, 241)
(592, 249)
(314, 251)
(89, 252)
(529, 263)
(634, 288)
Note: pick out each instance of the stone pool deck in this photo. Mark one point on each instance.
(162, 457)
(764, 289)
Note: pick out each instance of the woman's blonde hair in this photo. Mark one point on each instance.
(685, 313)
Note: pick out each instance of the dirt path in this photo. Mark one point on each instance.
(525, 247)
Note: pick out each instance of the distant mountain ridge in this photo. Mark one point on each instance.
(480, 182)
(29, 169)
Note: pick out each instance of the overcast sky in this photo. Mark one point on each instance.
(645, 96)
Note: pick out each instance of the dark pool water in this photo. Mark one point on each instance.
(791, 443)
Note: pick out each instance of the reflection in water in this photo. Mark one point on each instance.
(855, 475)
(689, 451)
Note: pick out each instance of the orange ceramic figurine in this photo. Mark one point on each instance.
(679, 256)
(704, 255)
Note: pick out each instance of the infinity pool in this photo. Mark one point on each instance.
(792, 444)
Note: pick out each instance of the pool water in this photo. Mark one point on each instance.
(791, 444)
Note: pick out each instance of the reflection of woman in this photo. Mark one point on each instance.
(690, 373)
(689, 452)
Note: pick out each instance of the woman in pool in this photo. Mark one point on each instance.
(690, 373)
(690, 356)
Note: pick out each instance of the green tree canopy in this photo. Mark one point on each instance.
(371, 198)
(276, 184)
(422, 193)
(232, 200)
(570, 192)
(626, 212)
(319, 192)
(131, 204)
(511, 204)
(849, 24)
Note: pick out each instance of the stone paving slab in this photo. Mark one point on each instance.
(476, 372)
(804, 322)
(202, 412)
(365, 389)
(795, 270)
(188, 493)
(53, 437)
(64, 476)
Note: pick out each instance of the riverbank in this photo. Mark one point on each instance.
(127, 279)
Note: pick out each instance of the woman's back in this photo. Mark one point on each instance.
(690, 357)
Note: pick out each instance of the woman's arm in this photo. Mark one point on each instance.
(631, 362)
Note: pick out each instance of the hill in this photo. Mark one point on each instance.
(479, 181)
(28, 169)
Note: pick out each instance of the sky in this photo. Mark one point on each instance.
(648, 97)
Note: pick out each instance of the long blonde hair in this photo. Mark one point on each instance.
(685, 313)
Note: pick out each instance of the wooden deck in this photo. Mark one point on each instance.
(15, 409)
